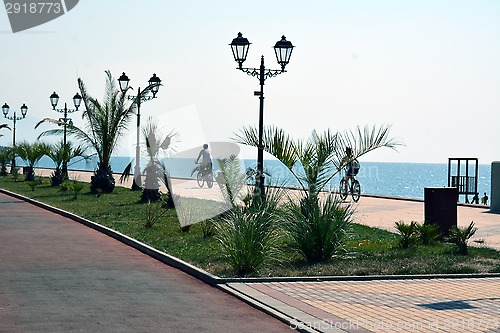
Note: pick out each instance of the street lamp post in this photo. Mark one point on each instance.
(142, 96)
(77, 100)
(283, 50)
(24, 111)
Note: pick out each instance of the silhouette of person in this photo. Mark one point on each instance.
(475, 199)
(484, 199)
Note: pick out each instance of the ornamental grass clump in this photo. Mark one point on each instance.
(250, 235)
(318, 229)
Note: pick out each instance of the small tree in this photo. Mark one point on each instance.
(156, 172)
(31, 154)
(105, 125)
(60, 153)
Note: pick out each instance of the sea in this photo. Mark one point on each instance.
(406, 180)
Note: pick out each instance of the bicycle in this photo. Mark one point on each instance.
(353, 187)
(204, 175)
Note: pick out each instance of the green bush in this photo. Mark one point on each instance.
(460, 237)
(76, 188)
(319, 229)
(249, 235)
(248, 240)
(408, 233)
(34, 183)
(428, 233)
(155, 211)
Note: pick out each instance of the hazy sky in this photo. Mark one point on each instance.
(429, 68)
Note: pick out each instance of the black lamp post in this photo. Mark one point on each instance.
(283, 50)
(24, 111)
(77, 100)
(142, 96)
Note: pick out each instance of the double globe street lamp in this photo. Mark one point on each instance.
(77, 100)
(283, 50)
(15, 118)
(142, 96)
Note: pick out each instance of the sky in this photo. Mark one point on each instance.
(430, 69)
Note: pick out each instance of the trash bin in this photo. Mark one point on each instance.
(440, 207)
(27, 170)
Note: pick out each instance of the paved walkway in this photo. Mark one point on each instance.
(430, 305)
(57, 275)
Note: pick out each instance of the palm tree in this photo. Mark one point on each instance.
(105, 125)
(155, 170)
(59, 153)
(318, 228)
(31, 154)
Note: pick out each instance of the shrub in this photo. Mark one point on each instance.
(247, 239)
(318, 229)
(64, 187)
(34, 183)
(57, 177)
(76, 188)
(208, 228)
(249, 235)
(154, 212)
(460, 237)
(408, 233)
(428, 233)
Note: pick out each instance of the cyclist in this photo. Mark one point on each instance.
(351, 165)
(206, 159)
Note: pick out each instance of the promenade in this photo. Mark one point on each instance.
(59, 276)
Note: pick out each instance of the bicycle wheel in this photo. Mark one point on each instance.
(343, 189)
(355, 190)
(209, 179)
(199, 179)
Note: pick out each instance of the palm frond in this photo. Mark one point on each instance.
(363, 140)
(126, 172)
(274, 140)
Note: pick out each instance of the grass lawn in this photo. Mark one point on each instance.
(369, 251)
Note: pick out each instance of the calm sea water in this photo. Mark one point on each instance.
(393, 179)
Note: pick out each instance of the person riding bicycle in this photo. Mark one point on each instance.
(206, 161)
(351, 165)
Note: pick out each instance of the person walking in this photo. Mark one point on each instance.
(484, 199)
